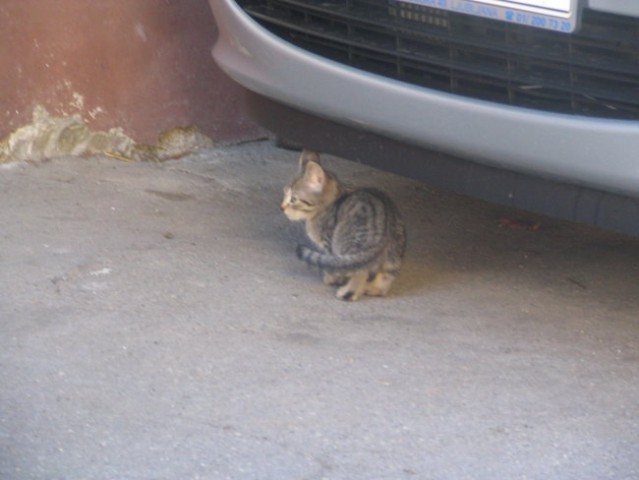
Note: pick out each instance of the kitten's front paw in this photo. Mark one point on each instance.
(347, 294)
(355, 287)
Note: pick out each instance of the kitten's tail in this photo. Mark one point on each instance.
(329, 261)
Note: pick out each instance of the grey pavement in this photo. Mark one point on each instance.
(155, 324)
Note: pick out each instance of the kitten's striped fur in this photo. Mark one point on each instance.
(359, 233)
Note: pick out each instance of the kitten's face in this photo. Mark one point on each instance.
(298, 203)
(305, 195)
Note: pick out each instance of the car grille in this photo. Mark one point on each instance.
(593, 72)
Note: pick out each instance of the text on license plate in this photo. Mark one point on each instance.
(558, 15)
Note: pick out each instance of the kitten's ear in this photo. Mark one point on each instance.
(308, 156)
(314, 176)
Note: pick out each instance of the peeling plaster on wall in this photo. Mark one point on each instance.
(78, 101)
(49, 137)
(95, 112)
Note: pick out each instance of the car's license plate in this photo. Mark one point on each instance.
(559, 15)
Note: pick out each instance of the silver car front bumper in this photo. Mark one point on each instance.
(597, 153)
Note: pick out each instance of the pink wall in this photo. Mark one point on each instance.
(143, 65)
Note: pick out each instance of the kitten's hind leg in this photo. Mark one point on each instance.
(380, 284)
(355, 287)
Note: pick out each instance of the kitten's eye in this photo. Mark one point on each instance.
(294, 199)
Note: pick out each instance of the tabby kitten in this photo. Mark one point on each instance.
(359, 233)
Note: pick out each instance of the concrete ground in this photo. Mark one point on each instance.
(155, 324)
